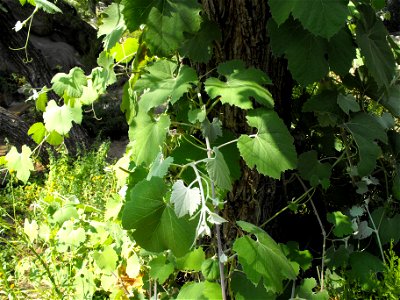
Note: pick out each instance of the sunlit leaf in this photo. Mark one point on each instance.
(200, 291)
(160, 269)
(186, 200)
(164, 84)
(60, 118)
(70, 238)
(157, 226)
(47, 6)
(192, 261)
(113, 26)
(71, 84)
(241, 84)
(107, 259)
(271, 151)
(124, 52)
(342, 223)
(37, 131)
(21, 163)
(148, 136)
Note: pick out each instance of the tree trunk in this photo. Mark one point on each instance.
(243, 25)
(38, 74)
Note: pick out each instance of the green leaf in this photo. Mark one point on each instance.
(197, 115)
(60, 118)
(240, 85)
(54, 138)
(280, 10)
(313, 170)
(159, 167)
(364, 266)
(41, 101)
(84, 283)
(303, 258)
(388, 227)
(157, 226)
(305, 291)
(200, 290)
(21, 163)
(365, 129)
(148, 136)
(166, 22)
(133, 266)
(321, 17)
(262, 259)
(341, 52)
(31, 229)
(107, 259)
(37, 131)
(89, 94)
(371, 38)
(271, 150)
(244, 289)
(159, 269)
(218, 170)
(186, 200)
(342, 223)
(199, 47)
(103, 75)
(69, 238)
(325, 107)
(337, 256)
(391, 100)
(348, 103)
(71, 84)
(192, 261)
(164, 84)
(210, 269)
(305, 52)
(113, 26)
(211, 130)
(124, 52)
(47, 6)
(65, 213)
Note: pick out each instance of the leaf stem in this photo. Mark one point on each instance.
(217, 231)
(322, 231)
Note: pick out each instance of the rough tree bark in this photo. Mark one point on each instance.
(38, 74)
(243, 25)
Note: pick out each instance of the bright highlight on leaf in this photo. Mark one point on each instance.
(71, 84)
(343, 225)
(163, 84)
(113, 26)
(241, 84)
(271, 151)
(21, 163)
(186, 200)
(60, 118)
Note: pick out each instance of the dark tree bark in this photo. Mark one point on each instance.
(38, 74)
(243, 25)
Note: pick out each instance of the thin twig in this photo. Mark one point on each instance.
(322, 231)
(217, 232)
